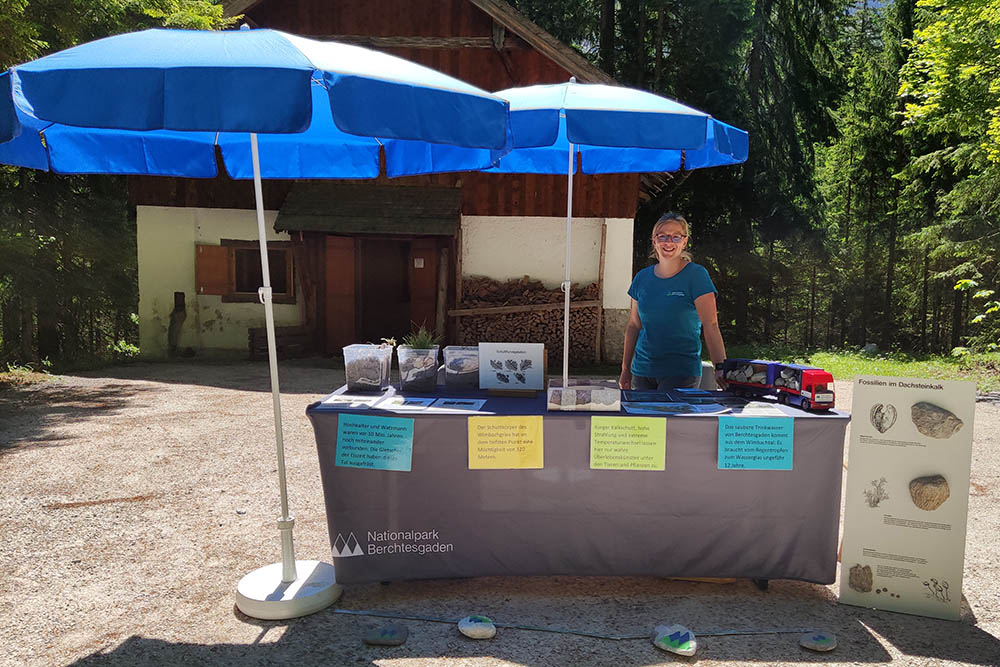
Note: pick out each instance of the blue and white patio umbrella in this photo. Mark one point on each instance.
(609, 129)
(159, 101)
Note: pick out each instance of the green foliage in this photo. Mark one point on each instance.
(422, 339)
(68, 287)
(122, 350)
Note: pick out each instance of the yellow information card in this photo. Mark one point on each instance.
(500, 443)
(628, 443)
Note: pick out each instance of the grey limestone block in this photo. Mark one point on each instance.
(934, 421)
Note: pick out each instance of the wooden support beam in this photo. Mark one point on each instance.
(500, 310)
(442, 292)
(600, 295)
(415, 42)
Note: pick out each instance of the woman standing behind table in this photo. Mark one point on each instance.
(672, 301)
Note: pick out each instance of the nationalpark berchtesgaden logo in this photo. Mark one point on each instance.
(390, 542)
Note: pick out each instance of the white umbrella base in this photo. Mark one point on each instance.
(262, 594)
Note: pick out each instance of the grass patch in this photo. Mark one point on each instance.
(21, 376)
(982, 368)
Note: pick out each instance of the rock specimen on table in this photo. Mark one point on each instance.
(365, 374)
(477, 627)
(462, 372)
(417, 372)
(818, 641)
(391, 634)
(861, 578)
(934, 421)
(929, 492)
(674, 638)
(882, 417)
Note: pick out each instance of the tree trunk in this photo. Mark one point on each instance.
(956, 319)
(923, 304)
(888, 326)
(936, 309)
(607, 36)
(866, 281)
(10, 327)
(810, 335)
(769, 301)
(48, 330)
(640, 47)
(658, 44)
(27, 330)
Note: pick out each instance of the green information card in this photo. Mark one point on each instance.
(628, 443)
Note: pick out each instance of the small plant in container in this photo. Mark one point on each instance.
(366, 365)
(418, 361)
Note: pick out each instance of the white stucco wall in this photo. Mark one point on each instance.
(503, 248)
(166, 239)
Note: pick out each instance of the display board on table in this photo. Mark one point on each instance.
(907, 495)
(517, 366)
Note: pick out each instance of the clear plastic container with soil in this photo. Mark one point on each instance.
(367, 366)
(461, 367)
(418, 368)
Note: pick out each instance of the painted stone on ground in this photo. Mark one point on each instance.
(391, 634)
(928, 493)
(477, 627)
(675, 639)
(818, 641)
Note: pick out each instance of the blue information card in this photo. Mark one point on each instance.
(377, 443)
(755, 443)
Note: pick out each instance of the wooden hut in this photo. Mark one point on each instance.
(356, 261)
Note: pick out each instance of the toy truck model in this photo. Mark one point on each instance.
(805, 387)
(750, 377)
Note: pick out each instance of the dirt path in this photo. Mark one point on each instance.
(134, 499)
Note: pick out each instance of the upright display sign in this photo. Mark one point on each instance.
(512, 366)
(907, 495)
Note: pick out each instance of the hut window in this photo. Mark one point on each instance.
(232, 270)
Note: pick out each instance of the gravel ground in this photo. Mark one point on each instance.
(135, 498)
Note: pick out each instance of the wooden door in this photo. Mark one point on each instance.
(383, 295)
(423, 282)
(340, 297)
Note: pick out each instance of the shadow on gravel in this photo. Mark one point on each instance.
(935, 639)
(600, 605)
(29, 416)
(316, 375)
(306, 642)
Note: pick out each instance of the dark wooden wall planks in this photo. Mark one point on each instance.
(614, 195)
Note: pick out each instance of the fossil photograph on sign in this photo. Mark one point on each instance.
(511, 366)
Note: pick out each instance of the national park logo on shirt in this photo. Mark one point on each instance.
(676, 293)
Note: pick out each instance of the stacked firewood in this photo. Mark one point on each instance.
(481, 292)
(544, 325)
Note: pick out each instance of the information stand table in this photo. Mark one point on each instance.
(442, 519)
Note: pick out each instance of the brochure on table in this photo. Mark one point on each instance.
(512, 366)
(907, 495)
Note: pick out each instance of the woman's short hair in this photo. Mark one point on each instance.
(664, 220)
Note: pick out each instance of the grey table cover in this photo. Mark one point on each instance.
(443, 520)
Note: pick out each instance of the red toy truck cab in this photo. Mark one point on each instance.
(805, 387)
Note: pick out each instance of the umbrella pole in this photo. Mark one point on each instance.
(286, 522)
(290, 588)
(569, 252)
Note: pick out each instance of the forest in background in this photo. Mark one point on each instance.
(867, 212)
